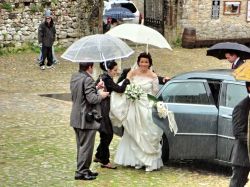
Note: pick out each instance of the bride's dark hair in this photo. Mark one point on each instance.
(110, 65)
(145, 55)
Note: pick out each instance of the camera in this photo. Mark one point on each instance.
(93, 115)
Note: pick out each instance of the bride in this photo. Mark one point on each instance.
(140, 144)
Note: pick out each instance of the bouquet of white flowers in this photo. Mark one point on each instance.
(133, 92)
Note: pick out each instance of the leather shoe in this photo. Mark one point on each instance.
(85, 177)
(93, 173)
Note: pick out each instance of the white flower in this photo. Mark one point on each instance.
(162, 111)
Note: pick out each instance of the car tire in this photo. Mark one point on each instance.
(165, 149)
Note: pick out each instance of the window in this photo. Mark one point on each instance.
(232, 7)
(215, 9)
(234, 94)
(185, 92)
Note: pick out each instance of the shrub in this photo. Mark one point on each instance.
(6, 6)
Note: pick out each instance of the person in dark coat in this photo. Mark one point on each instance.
(46, 38)
(84, 99)
(162, 80)
(234, 59)
(106, 131)
(240, 158)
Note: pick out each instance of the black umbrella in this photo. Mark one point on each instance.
(218, 50)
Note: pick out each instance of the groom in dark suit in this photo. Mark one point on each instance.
(240, 158)
(84, 99)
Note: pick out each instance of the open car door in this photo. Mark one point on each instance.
(196, 117)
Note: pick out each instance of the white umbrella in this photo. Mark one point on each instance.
(139, 34)
(97, 48)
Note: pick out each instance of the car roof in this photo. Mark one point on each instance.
(212, 74)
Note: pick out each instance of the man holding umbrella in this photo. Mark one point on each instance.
(234, 52)
(240, 155)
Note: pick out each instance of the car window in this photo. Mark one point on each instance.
(234, 94)
(185, 92)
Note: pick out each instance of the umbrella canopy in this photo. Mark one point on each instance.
(219, 50)
(97, 48)
(242, 72)
(119, 13)
(139, 34)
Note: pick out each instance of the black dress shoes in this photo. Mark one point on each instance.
(93, 173)
(85, 177)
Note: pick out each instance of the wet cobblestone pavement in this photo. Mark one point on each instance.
(37, 145)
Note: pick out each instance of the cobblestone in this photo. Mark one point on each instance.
(37, 146)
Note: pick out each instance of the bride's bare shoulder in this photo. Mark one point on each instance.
(152, 74)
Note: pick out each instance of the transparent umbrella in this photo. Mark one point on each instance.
(97, 48)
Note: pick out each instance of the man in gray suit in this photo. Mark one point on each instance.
(240, 159)
(85, 98)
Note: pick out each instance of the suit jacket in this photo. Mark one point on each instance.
(85, 98)
(240, 127)
(125, 72)
(239, 62)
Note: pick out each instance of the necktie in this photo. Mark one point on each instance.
(233, 66)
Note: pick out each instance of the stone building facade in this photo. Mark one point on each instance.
(19, 20)
(212, 20)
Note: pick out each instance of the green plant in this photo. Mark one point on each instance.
(6, 6)
(29, 46)
(177, 42)
(34, 8)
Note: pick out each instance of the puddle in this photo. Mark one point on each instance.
(59, 96)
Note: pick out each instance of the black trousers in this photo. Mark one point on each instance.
(239, 176)
(46, 54)
(85, 141)
(102, 151)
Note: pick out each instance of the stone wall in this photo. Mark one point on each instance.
(72, 20)
(197, 14)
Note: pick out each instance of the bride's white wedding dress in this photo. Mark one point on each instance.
(140, 143)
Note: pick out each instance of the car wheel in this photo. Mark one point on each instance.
(165, 149)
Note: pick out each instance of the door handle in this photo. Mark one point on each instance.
(226, 116)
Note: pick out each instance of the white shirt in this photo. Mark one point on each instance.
(235, 62)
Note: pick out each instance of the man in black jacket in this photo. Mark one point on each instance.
(46, 38)
(240, 159)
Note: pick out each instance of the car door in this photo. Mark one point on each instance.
(231, 94)
(196, 117)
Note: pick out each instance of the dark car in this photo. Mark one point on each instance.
(202, 103)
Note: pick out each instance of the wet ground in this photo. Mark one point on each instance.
(37, 146)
